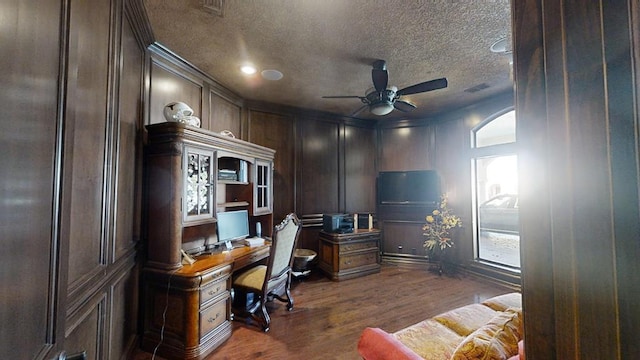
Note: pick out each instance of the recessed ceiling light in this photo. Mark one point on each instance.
(501, 46)
(272, 74)
(248, 69)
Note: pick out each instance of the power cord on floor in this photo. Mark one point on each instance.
(164, 315)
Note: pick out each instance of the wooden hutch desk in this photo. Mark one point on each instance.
(191, 175)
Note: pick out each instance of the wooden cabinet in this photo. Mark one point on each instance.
(403, 241)
(192, 174)
(187, 312)
(345, 256)
(197, 305)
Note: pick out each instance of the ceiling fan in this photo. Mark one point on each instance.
(382, 99)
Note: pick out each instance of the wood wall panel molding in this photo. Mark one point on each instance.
(122, 317)
(30, 177)
(168, 85)
(60, 162)
(269, 130)
(158, 52)
(87, 331)
(137, 16)
(319, 187)
(407, 148)
(360, 169)
(128, 164)
(224, 115)
(87, 140)
(404, 238)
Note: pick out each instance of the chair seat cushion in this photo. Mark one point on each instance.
(252, 278)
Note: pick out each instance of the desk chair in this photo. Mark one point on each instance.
(272, 280)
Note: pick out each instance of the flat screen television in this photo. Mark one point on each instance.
(232, 225)
(408, 187)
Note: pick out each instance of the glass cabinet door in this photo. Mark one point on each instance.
(263, 189)
(198, 184)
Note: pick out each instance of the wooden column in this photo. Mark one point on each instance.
(578, 137)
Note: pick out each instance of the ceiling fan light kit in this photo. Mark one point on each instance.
(381, 108)
(383, 99)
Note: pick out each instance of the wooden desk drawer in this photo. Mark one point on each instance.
(213, 290)
(217, 274)
(251, 258)
(358, 246)
(212, 316)
(356, 260)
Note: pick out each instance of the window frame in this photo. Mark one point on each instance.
(504, 149)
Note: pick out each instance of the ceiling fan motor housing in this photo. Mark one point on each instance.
(381, 103)
(374, 96)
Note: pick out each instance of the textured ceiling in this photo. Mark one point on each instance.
(326, 47)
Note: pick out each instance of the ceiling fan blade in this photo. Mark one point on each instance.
(423, 87)
(403, 106)
(359, 110)
(380, 75)
(343, 97)
(380, 79)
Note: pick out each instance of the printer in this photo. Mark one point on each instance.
(337, 223)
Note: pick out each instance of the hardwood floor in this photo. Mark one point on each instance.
(328, 317)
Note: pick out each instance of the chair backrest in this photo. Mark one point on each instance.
(283, 243)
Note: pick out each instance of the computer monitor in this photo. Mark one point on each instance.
(232, 225)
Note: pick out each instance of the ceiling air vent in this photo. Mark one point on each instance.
(476, 88)
(215, 7)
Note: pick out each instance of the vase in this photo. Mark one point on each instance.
(440, 263)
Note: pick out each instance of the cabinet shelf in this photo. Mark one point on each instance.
(233, 204)
(233, 182)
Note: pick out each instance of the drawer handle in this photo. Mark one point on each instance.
(212, 319)
(211, 292)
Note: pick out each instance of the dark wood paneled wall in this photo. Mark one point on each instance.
(360, 169)
(406, 146)
(442, 144)
(224, 114)
(277, 132)
(577, 118)
(87, 142)
(28, 210)
(579, 204)
(70, 216)
(169, 85)
(172, 78)
(319, 185)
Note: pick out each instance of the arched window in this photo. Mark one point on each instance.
(494, 168)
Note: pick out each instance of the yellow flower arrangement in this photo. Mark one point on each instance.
(438, 226)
